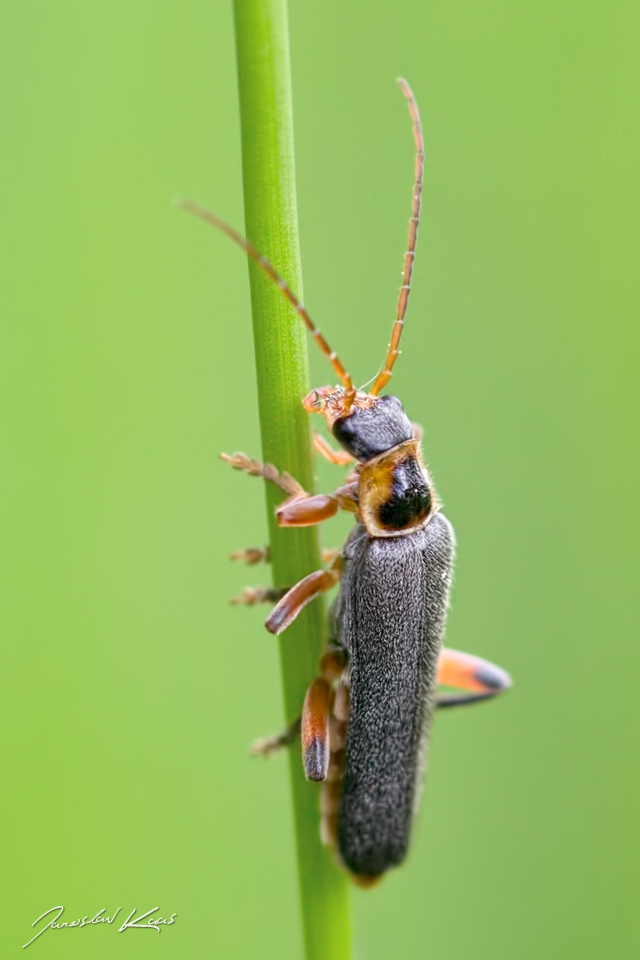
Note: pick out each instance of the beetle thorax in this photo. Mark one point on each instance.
(395, 493)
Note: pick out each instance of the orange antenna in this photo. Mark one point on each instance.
(385, 374)
(282, 285)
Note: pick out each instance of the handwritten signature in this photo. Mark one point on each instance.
(153, 923)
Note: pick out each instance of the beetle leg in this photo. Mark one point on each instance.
(253, 555)
(268, 745)
(255, 468)
(332, 668)
(332, 664)
(252, 595)
(339, 457)
(315, 729)
(296, 599)
(330, 555)
(301, 509)
(306, 510)
(481, 678)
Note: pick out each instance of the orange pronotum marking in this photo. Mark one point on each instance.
(375, 486)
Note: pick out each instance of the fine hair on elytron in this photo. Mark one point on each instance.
(385, 374)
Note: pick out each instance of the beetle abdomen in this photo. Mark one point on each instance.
(390, 615)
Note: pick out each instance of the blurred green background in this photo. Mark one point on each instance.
(130, 689)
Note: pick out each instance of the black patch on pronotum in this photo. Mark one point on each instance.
(410, 498)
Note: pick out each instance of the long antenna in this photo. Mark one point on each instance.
(282, 285)
(385, 374)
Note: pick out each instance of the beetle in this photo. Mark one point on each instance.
(365, 720)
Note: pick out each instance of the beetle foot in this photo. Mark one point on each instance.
(267, 746)
(252, 595)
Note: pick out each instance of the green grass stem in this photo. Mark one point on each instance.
(282, 369)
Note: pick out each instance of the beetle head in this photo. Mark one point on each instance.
(364, 425)
(335, 402)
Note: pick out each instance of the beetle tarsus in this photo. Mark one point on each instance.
(267, 746)
(250, 596)
(252, 555)
(255, 468)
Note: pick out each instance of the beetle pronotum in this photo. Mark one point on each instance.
(365, 720)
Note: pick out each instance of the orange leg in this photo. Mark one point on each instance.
(268, 745)
(322, 579)
(255, 468)
(301, 509)
(339, 457)
(332, 664)
(315, 730)
(252, 595)
(296, 599)
(306, 510)
(480, 678)
(253, 555)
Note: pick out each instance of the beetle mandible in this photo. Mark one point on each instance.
(365, 720)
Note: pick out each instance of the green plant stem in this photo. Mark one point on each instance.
(281, 361)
